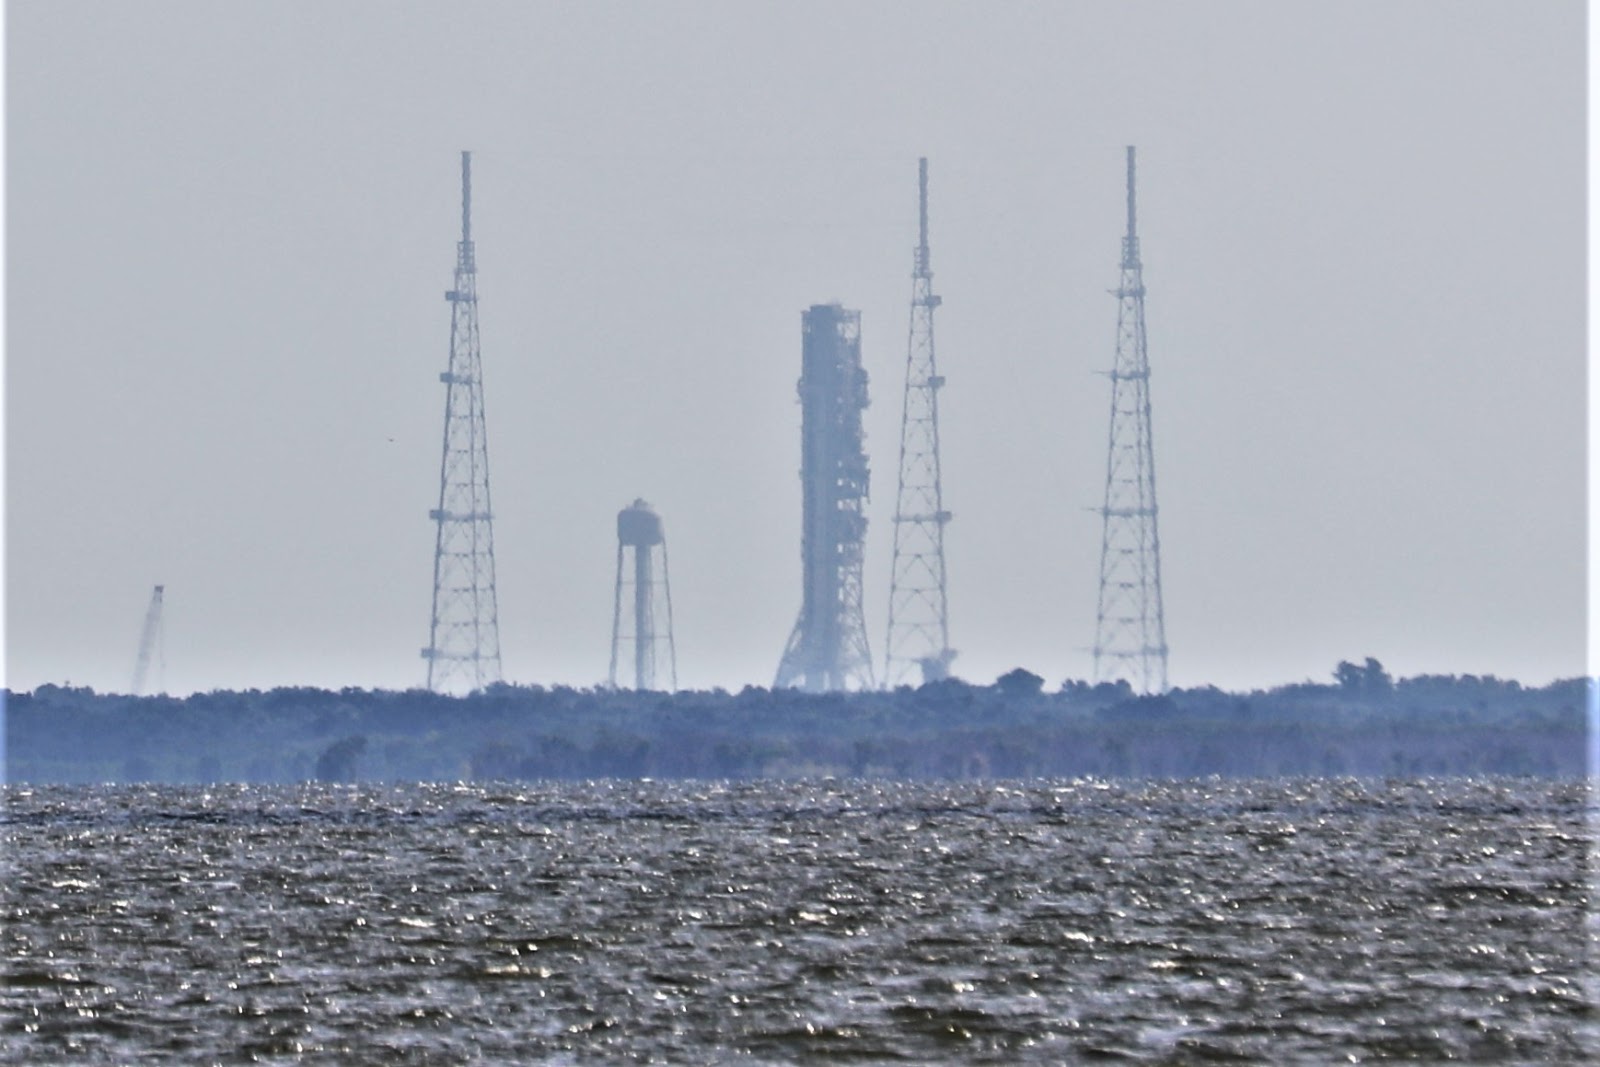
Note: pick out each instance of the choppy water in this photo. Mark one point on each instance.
(788, 922)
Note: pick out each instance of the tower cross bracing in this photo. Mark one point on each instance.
(463, 651)
(1130, 628)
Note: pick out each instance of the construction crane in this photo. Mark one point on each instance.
(149, 639)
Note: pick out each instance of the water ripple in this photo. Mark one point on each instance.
(1303, 920)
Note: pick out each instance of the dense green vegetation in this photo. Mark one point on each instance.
(1362, 723)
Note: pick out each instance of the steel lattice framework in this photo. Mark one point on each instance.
(1130, 636)
(828, 648)
(919, 619)
(464, 633)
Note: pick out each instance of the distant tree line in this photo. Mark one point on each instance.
(1362, 723)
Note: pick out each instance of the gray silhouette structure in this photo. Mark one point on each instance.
(917, 648)
(646, 628)
(828, 648)
(1130, 629)
(150, 637)
(463, 651)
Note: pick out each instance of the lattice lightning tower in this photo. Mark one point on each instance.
(919, 620)
(1130, 636)
(464, 633)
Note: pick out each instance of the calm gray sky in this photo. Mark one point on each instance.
(229, 227)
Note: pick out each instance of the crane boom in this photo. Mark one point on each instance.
(148, 637)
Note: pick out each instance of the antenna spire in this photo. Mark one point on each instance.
(466, 198)
(923, 265)
(1133, 229)
(1130, 243)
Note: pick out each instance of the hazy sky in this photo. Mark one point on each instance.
(229, 228)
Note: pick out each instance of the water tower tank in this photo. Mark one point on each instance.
(638, 526)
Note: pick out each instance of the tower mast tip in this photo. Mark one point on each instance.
(1132, 228)
(923, 266)
(466, 196)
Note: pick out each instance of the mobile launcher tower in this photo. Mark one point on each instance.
(642, 580)
(828, 648)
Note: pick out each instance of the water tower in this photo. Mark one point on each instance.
(648, 628)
